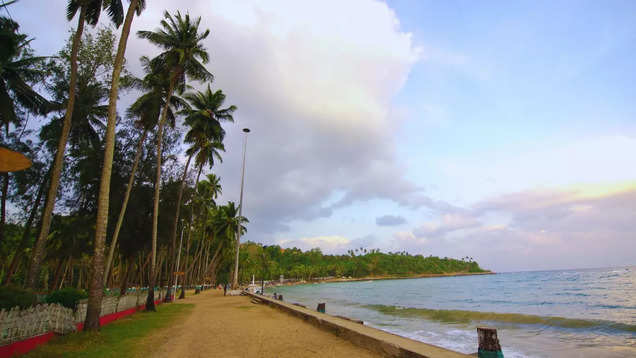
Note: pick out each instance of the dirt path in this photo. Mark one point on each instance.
(234, 327)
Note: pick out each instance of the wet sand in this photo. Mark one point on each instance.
(225, 326)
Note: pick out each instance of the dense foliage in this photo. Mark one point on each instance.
(68, 297)
(11, 296)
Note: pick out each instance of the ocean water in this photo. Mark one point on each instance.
(566, 313)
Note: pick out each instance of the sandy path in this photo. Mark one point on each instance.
(234, 327)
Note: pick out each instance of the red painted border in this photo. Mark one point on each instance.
(27, 345)
(22, 347)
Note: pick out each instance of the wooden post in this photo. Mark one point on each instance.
(321, 308)
(488, 343)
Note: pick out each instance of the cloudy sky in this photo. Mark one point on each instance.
(505, 131)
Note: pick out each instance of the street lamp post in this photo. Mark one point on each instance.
(238, 229)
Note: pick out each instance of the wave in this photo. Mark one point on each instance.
(461, 316)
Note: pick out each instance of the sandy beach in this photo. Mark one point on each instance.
(233, 327)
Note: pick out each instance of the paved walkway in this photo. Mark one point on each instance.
(234, 327)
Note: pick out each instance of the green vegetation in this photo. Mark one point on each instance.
(68, 297)
(272, 261)
(86, 213)
(122, 338)
(11, 296)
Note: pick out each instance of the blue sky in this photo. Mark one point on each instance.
(505, 131)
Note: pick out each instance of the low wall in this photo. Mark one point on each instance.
(23, 330)
(378, 341)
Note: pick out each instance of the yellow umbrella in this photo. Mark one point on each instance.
(11, 161)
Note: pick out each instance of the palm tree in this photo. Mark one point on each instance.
(228, 222)
(204, 198)
(18, 68)
(206, 136)
(146, 109)
(96, 283)
(89, 12)
(183, 56)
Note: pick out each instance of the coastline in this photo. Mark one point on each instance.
(377, 278)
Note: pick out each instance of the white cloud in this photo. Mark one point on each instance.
(314, 81)
(333, 243)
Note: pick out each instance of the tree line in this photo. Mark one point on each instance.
(269, 262)
(108, 200)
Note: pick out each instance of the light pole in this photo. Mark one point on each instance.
(238, 229)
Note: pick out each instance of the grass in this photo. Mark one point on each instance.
(122, 338)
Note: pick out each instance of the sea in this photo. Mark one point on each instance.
(564, 313)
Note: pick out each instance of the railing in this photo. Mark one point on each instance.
(19, 324)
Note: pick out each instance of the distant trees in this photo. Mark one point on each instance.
(273, 261)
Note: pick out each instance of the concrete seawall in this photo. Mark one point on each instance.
(378, 341)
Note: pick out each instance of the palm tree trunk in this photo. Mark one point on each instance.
(26, 233)
(58, 272)
(212, 266)
(3, 215)
(185, 259)
(38, 251)
(150, 301)
(68, 265)
(123, 284)
(176, 222)
(195, 261)
(122, 212)
(96, 286)
(204, 263)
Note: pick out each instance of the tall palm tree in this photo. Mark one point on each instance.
(204, 118)
(184, 56)
(96, 291)
(89, 12)
(146, 109)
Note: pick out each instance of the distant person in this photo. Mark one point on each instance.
(225, 289)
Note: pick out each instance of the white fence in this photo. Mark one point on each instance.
(17, 324)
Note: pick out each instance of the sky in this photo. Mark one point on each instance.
(502, 131)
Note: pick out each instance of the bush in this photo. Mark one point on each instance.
(68, 297)
(16, 296)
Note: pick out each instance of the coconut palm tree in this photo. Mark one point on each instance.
(183, 56)
(96, 284)
(204, 117)
(228, 222)
(146, 109)
(18, 69)
(89, 12)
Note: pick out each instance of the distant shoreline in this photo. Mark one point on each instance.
(377, 278)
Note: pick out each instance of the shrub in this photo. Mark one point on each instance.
(68, 297)
(16, 296)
